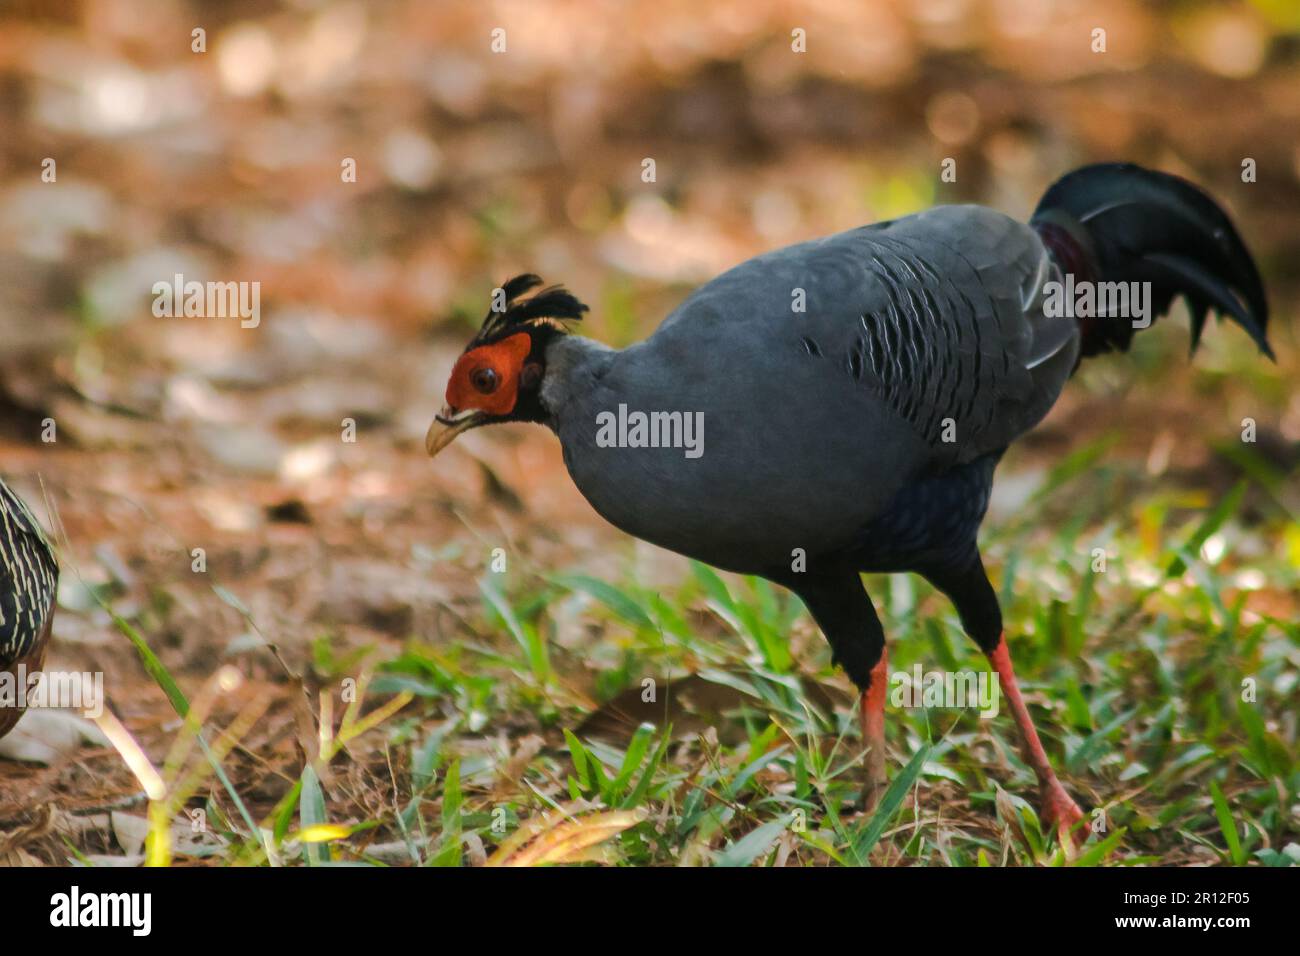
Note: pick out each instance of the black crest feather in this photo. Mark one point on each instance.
(551, 307)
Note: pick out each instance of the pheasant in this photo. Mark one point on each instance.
(29, 576)
(853, 395)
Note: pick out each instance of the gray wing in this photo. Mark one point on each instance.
(938, 315)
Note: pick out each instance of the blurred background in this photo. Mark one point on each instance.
(229, 164)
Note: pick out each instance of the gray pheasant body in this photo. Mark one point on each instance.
(921, 347)
(851, 397)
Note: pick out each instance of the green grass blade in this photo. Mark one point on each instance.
(1211, 523)
(311, 812)
(617, 601)
(868, 835)
(581, 760)
(753, 844)
(1227, 825)
(532, 645)
(152, 665)
(636, 751)
(1098, 852)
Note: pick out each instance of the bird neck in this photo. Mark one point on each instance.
(572, 365)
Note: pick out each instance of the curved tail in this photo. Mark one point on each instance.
(1120, 223)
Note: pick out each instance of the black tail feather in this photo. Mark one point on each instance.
(1123, 223)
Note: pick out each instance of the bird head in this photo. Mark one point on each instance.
(498, 377)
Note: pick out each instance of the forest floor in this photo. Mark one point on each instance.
(326, 608)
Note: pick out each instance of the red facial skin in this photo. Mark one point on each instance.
(506, 358)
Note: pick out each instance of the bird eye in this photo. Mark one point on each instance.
(484, 379)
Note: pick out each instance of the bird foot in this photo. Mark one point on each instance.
(1062, 814)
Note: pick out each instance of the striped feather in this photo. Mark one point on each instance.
(28, 578)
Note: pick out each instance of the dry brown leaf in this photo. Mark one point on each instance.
(562, 838)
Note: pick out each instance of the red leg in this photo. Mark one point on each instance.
(1059, 809)
(872, 717)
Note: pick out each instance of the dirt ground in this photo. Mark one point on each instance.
(176, 434)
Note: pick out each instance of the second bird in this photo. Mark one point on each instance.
(29, 576)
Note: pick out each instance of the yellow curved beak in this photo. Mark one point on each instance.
(446, 426)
